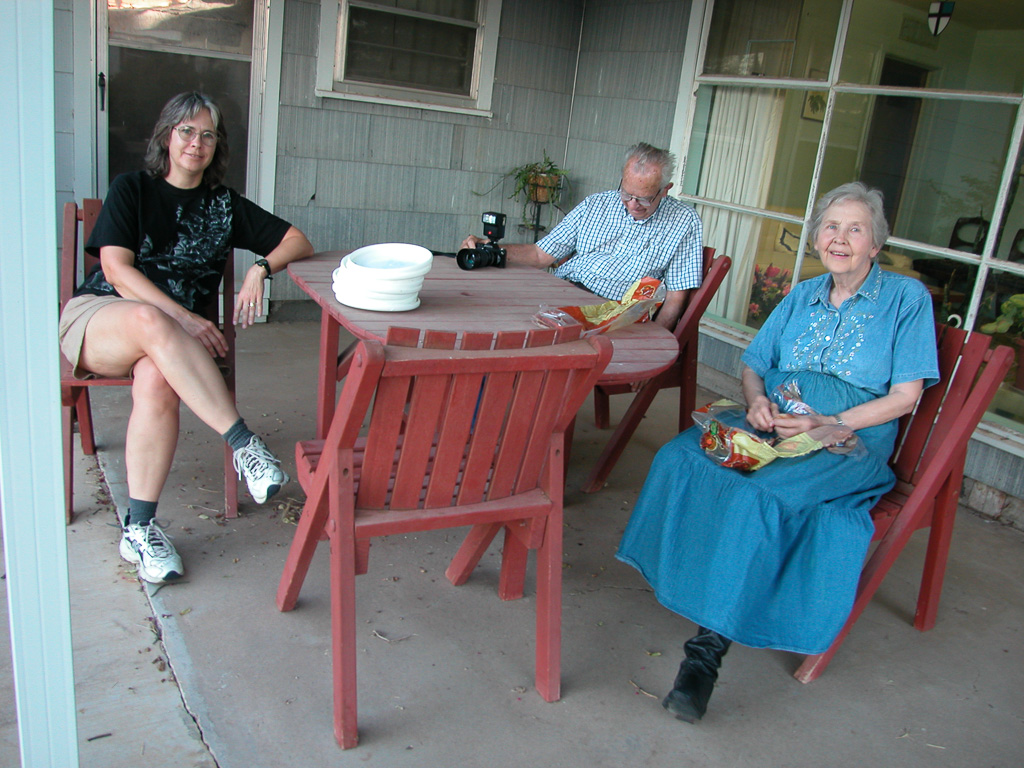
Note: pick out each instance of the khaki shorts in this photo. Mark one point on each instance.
(73, 321)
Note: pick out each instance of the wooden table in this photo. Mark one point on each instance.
(453, 299)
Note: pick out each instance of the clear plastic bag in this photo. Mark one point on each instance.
(835, 438)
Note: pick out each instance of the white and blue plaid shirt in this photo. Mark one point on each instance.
(599, 245)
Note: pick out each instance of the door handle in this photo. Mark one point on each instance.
(101, 82)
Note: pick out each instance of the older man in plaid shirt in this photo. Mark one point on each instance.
(612, 239)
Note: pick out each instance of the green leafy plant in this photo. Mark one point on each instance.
(537, 181)
(1011, 317)
(540, 181)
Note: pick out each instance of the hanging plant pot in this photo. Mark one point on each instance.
(541, 186)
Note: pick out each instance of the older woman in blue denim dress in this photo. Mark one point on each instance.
(771, 558)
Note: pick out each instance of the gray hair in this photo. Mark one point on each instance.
(185, 106)
(855, 192)
(644, 156)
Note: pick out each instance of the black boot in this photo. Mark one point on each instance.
(688, 699)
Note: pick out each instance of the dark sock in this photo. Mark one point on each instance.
(140, 512)
(238, 435)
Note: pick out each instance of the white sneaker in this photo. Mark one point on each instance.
(260, 468)
(149, 548)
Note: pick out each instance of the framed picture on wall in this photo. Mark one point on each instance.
(815, 101)
(814, 105)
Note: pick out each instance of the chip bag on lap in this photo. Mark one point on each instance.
(735, 447)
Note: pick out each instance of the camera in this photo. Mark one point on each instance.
(488, 254)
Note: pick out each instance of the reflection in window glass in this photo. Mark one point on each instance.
(772, 38)
(199, 25)
(937, 162)
(1003, 317)
(949, 282)
(979, 49)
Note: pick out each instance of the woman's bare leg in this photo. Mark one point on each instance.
(120, 335)
(152, 432)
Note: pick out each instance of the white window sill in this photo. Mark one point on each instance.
(404, 103)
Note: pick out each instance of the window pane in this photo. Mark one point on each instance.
(1002, 316)
(753, 147)
(979, 50)
(404, 51)
(763, 252)
(949, 282)
(205, 25)
(937, 162)
(772, 38)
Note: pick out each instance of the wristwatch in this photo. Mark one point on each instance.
(839, 421)
(266, 266)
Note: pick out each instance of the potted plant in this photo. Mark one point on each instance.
(537, 182)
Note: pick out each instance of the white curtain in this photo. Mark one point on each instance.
(743, 133)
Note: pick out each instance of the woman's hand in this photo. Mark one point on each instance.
(761, 414)
(249, 301)
(205, 331)
(790, 424)
(761, 411)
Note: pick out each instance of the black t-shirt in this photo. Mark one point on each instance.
(180, 237)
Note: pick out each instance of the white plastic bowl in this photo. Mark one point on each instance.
(392, 261)
(344, 275)
(386, 277)
(360, 299)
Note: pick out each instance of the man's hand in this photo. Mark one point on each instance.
(472, 242)
(516, 253)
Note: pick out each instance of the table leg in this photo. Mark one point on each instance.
(327, 378)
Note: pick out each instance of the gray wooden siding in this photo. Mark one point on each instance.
(351, 174)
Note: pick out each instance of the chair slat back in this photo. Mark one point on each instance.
(462, 423)
(73, 240)
(77, 225)
(715, 270)
(969, 375)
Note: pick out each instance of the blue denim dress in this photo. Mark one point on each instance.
(771, 558)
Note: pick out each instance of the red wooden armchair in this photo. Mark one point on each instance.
(457, 435)
(74, 393)
(929, 466)
(682, 374)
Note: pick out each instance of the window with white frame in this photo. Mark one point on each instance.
(794, 97)
(432, 54)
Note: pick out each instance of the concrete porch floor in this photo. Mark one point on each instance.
(207, 672)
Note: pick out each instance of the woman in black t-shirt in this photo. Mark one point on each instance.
(162, 238)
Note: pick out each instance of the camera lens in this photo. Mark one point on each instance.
(467, 258)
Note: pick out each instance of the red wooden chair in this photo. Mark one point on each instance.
(929, 466)
(457, 435)
(74, 393)
(682, 374)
